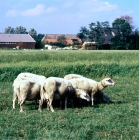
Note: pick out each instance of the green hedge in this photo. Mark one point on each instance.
(92, 70)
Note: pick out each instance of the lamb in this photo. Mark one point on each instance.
(26, 90)
(91, 86)
(54, 87)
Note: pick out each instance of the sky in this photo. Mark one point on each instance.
(64, 16)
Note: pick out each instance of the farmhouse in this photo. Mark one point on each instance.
(106, 37)
(21, 41)
(70, 38)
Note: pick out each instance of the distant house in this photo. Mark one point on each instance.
(106, 35)
(21, 41)
(70, 38)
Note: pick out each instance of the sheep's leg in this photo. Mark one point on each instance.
(40, 105)
(21, 108)
(92, 99)
(71, 102)
(51, 107)
(14, 99)
(50, 104)
(47, 104)
(61, 102)
(66, 98)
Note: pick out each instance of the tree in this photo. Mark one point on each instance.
(9, 30)
(39, 44)
(97, 31)
(62, 39)
(133, 40)
(123, 31)
(129, 20)
(122, 25)
(20, 30)
(33, 33)
(83, 34)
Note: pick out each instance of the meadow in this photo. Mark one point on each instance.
(116, 121)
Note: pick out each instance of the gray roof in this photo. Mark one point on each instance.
(16, 38)
(54, 36)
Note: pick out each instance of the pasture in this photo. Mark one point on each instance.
(116, 121)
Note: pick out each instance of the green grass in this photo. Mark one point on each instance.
(117, 121)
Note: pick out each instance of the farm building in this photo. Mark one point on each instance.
(70, 38)
(106, 36)
(89, 46)
(21, 41)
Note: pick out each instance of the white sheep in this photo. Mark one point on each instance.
(25, 76)
(31, 76)
(91, 86)
(99, 97)
(25, 90)
(72, 76)
(54, 87)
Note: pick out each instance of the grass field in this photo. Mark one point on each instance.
(116, 121)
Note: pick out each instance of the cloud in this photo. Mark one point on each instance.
(12, 13)
(37, 11)
(97, 6)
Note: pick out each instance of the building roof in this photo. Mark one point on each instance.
(16, 38)
(54, 36)
(107, 35)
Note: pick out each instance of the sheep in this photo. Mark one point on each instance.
(34, 77)
(101, 97)
(80, 94)
(72, 76)
(54, 87)
(25, 76)
(25, 90)
(91, 86)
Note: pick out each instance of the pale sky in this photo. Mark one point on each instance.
(64, 16)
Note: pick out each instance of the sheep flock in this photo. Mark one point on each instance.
(69, 90)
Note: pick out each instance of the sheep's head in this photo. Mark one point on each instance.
(101, 97)
(107, 82)
(82, 94)
(106, 98)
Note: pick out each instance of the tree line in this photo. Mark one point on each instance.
(125, 37)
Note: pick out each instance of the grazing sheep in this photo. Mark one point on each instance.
(59, 88)
(31, 76)
(26, 90)
(91, 86)
(101, 97)
(72, 76)
(79, 94)
(25, 76)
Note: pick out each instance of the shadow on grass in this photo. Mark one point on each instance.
(119, 102)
